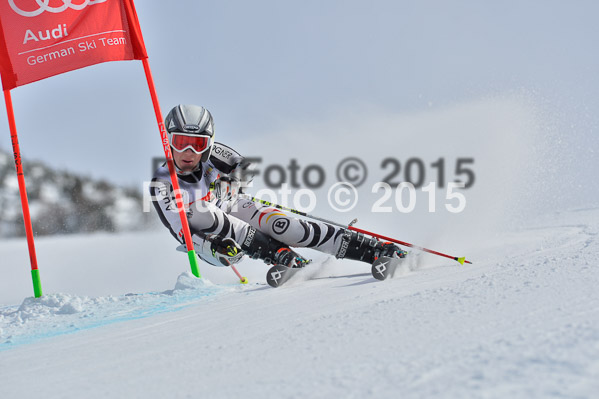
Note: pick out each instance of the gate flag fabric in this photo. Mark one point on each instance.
(43, 38)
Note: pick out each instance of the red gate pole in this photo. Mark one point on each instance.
(191, 253)
(35, 273)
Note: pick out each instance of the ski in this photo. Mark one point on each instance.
(279, 274)
(384, 266)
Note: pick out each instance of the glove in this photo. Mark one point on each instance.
(225, 250)
(225, 188)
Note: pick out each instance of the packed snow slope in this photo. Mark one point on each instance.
(122, 317)
(521, 322)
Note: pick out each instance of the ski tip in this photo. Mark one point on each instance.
(462, 260)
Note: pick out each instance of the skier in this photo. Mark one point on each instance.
(226, 226)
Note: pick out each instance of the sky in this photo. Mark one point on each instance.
(281, 77)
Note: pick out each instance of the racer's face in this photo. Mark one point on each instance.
(186, 160)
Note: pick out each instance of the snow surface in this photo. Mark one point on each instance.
(521, 322)
(122, 317)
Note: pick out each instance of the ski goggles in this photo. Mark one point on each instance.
(183, 141)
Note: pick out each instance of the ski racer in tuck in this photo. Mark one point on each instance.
(225, 226)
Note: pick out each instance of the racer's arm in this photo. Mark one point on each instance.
(235, 172)
(213, 231)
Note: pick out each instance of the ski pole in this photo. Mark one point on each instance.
(242, 280)
(461, 260)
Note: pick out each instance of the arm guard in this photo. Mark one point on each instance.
(231, 163)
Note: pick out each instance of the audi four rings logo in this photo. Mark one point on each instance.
(44, 5)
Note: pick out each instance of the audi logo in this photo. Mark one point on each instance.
(44, 5)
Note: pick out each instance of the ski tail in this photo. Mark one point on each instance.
(384, 266)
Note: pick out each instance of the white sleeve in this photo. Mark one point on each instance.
(163, 199)
(204, 218)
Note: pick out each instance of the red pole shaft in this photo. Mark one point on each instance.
(23, 193)
(171, 165)
(407, 244)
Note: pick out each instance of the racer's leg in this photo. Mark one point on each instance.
(208, 223)
(289, 229)
(296, 232)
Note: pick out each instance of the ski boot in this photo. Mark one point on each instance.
(383, 256)
(390, 250)
(356, 246)
(258, 245)
(285, 256)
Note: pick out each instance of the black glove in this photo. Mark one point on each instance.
(225, 250)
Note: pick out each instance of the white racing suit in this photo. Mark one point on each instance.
(239, 218)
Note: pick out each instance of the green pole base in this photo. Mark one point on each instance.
(37, 283)
(193, 262)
